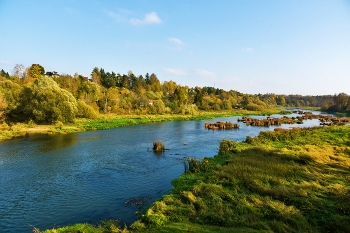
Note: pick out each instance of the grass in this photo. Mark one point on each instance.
(282, 181)
(303, 186)
(110, 121)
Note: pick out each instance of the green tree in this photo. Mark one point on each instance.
(4, 74)
(36, 70)
(45, 102)
(341, 102)
(159, 106)
(89, 91)
(11, 92)
(3, 107)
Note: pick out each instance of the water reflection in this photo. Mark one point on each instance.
(56, 142)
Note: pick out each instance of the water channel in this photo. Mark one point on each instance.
(51, 181)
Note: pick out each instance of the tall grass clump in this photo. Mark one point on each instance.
(158, 146)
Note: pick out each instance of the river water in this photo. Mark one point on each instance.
(49, 181)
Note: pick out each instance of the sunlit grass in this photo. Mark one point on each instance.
(302, 187)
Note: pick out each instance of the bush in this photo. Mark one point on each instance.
(86, 111)
(226, 146)
(138, 226)
(249, 139)
(254, 107)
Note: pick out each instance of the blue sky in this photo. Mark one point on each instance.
(277, 46)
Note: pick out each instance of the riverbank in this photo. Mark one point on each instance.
(109, 121)
(281, 181)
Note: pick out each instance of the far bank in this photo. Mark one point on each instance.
(109, 121)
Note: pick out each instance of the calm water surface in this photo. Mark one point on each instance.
(52, 181)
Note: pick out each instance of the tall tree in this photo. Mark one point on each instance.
(18, 71)
(155, 83)
(36, 70)
(134, 82)
(341, 102)
(4, 74)
(96, 76)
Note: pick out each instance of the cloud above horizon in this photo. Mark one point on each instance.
(205, 73)
(117, 17)
(248, 49)
(5, 62)
(175, 40)
(151, 18)
(177, 72)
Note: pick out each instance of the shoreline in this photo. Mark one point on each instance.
(110, 121)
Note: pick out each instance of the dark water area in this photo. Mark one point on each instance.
(51, 181)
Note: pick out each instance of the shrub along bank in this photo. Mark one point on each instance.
(281, 181)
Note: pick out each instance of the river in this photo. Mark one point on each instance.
(49, 181)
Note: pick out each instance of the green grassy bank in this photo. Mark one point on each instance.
(109, 121)
(283, 181)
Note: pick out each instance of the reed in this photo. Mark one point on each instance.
(158, 146)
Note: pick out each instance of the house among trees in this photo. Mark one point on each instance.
(53, 73)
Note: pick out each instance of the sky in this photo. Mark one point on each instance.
(251, 46)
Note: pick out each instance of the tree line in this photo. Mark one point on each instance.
(30, 95)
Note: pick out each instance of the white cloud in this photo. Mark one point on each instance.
(248, 49)
(205, 73)
(177, 72)
(115, 16)
(5, 62)
(150, 18)
(175, 40)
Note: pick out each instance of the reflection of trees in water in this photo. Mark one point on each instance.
(58, 141)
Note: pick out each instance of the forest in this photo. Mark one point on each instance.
(33, 95)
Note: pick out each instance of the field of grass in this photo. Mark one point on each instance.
(281, 181)
(110, 121)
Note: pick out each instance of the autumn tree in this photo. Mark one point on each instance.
(155, 83)
(96, 76)
(36, 70)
